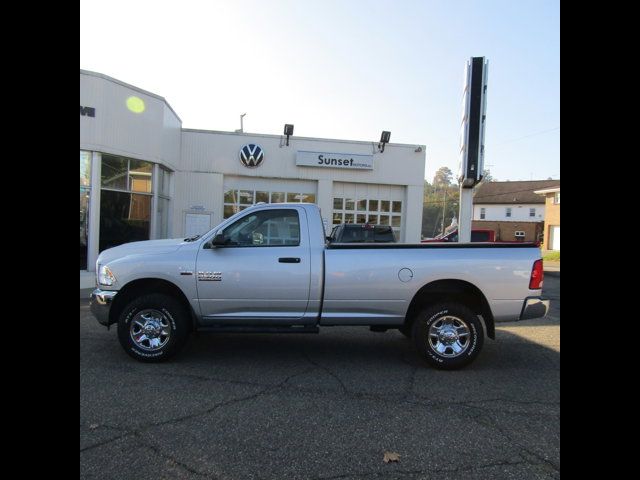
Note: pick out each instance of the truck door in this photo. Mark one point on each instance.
(261, 275)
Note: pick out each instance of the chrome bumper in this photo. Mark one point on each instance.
(100, 304)
(534, 307)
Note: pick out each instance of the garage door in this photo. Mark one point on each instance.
(242, 192)
(369, 203)
(554, 237)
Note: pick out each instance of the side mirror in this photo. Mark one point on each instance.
(219, 240)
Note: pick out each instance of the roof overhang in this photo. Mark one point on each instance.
(547, 190)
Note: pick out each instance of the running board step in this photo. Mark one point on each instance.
(260, 329)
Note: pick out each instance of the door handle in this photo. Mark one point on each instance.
(289, 260)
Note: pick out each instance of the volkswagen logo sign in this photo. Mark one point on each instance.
(251, 155)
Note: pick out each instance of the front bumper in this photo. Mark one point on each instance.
(534, 307)
(100, 304)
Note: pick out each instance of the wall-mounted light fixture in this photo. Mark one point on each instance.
(384, 139)
(288, 131)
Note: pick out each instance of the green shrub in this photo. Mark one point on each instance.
(552, 256)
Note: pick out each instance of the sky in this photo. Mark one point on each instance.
(345, 69)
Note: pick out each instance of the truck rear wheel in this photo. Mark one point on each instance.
(448, 335)
(153, 327)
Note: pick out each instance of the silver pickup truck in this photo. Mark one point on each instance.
(269, 268)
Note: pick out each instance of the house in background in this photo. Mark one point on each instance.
(552, 217)
(513, 210)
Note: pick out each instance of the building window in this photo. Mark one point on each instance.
(278, 197)
(350, 204)
(85, 191)
(162, 219)
(124, 217)
(508, 212)
(371, 211)
(532, 212)
(556, 198)
(140, 174)
(236, 200)
(125, 201)
(483, 213)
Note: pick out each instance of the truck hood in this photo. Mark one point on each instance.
(154, 247)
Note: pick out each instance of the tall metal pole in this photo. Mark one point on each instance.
(466, 215)
(472, 145)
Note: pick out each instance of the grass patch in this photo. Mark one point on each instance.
(552, 256)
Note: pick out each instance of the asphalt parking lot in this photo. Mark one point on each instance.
(322, 406)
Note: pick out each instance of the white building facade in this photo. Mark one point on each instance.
(527, 212)
(143, 176)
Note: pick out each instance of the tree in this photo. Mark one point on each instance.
(486, 175)
(438, 200)
(443, 177)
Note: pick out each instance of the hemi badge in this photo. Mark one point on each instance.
(186, 273)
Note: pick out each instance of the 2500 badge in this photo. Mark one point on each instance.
(210, 276)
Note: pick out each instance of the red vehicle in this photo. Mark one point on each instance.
(477, 235)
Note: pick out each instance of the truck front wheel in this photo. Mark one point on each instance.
(153, 327)
(448, 335)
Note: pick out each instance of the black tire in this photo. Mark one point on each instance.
(170, 310)
(448, 359)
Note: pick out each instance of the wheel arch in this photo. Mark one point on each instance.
(456, 290)
(142, 286)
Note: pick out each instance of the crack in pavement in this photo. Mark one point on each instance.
(459, 469)
(322, 367)
(138, 431)
(100, 444)
(156, 450)
(485, 420)
(408, 393)
(468, 408)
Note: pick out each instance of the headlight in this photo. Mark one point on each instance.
(105, 276)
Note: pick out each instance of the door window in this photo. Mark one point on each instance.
(265, 228)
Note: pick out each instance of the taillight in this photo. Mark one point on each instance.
(537, 275)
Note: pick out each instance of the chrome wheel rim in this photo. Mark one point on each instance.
(449, 336)
(150, 330)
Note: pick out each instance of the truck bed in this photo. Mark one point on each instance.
(426, 246)
(363, 290)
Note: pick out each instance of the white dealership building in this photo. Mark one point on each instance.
(143, 176)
